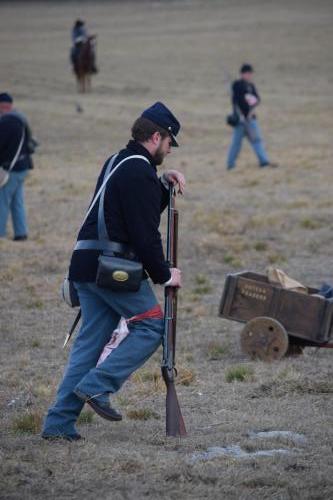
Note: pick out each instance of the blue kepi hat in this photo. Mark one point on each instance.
(159, 114)
(5, 97)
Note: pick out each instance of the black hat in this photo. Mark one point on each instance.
(246, 68)
(159, 114)
(5, 97)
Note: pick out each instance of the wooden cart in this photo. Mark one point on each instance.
(278, 321)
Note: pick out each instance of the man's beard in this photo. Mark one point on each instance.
(159, 156)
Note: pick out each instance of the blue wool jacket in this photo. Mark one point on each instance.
(11, 127)
(134, 199)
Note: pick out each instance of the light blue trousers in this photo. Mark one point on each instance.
(253, 134)
(101, 311)
(12, 201)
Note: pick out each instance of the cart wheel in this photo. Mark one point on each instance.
(265, 339)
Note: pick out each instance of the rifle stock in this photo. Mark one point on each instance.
(175, 425)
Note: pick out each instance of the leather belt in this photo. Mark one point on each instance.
(103, 245)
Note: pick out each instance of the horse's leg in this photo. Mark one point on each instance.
(82, 85)
(78, 83)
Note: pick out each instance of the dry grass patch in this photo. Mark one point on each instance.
(149, 380)
(142, 414)
(202, 285)
(237, 244)
(325, 204)
(35, 304)
(186, 376)
(86, 417)
(28, 423)
(276, 258)
(298, 204)
(122, 401)
(43, 390)
(35, 344)
(311, 224)
(232, 260)
(274, 220)
(216, 350)
(250, 183)
(281, 386)
(10, 272)
(223, 223)
(129, 466)
(239, 373)
(260, 246)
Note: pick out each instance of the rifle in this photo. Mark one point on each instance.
(175, 425)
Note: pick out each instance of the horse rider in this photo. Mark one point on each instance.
(79, 32)
(16, 148)
(134, 198)
(79, 36)
(245, 100)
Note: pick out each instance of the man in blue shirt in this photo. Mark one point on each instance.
(15, 157)
(133, 200)
(245, 99)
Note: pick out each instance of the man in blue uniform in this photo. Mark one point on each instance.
(133, 201)
(245, 100)
(15, 139)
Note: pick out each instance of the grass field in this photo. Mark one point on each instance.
(182, 53)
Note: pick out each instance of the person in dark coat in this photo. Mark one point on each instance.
(15, 157)
(79, 32)
(245, 100)
(80, 35)
(133, 200)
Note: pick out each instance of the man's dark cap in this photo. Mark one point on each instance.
(5, 97)
(159, 114)
(246, 68)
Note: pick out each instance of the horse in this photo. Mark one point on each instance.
(84, 64)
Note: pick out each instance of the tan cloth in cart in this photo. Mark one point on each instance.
(279, 277)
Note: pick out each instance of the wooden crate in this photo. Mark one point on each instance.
(248, 295)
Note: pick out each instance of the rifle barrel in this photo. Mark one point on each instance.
(175, 425)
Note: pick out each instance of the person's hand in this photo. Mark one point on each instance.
(176, 178)
(251, 99)
(176, 277)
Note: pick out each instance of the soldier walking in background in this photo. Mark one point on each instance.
(16, 147)
(128, 214)
(245, 100)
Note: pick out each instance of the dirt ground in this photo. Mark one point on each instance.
(182, 53)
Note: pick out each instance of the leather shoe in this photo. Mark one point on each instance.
(20, 238)
(104, 411)
(269, 164)
(59, 437)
